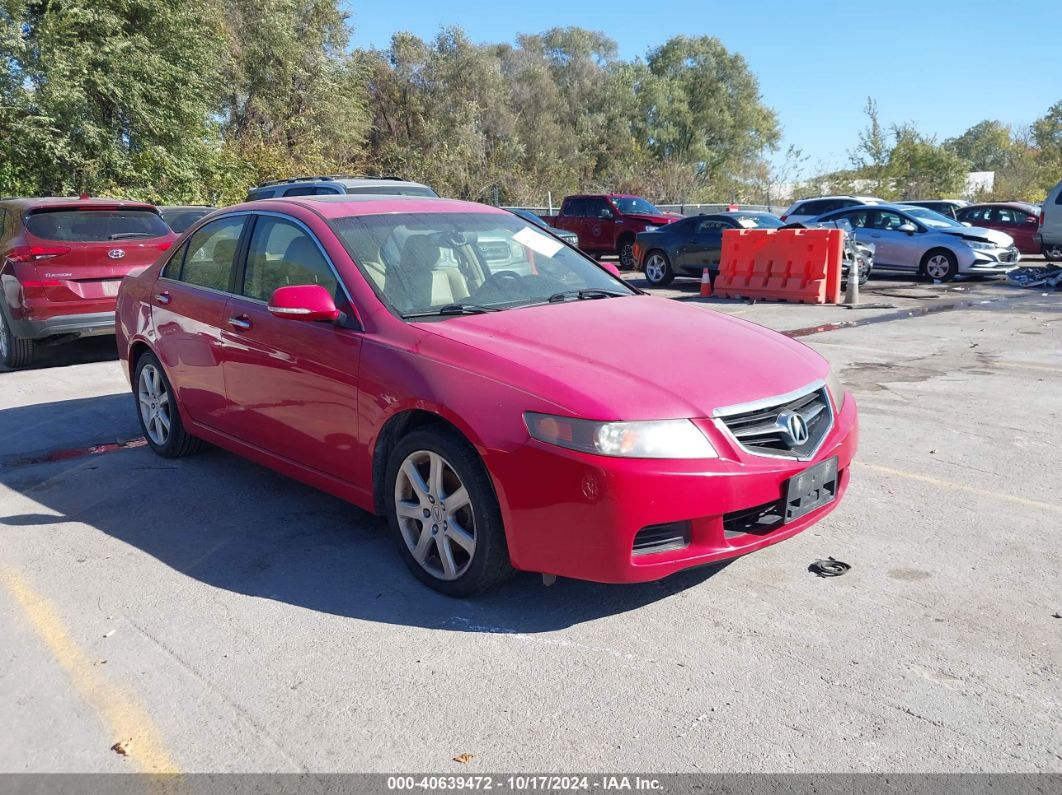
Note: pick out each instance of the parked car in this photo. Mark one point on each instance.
(917, 240)
(1049, 233)
(179, 217)
(607, 224)
(61, 261)
(688, 246)
(570, 238)
(360, 345)
(1017, 219)
(806, 209)
(948, 207)
(336, 184)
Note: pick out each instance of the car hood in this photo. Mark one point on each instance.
(982, 235)
(664, 218)
(636, 357)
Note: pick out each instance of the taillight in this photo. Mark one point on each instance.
(782, 219)
(164, 246)
(1041, 216)
(40, 283)
(35, 253)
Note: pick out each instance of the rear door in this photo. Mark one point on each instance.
(1016, 224)
(188, 306)
(292, 384)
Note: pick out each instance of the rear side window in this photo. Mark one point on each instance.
(94, 226)
(282, 254)
(574, 208)
(211, 253)
(813, 208)
(394, 190)
(309, 190)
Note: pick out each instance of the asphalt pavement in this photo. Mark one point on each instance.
(207, 614)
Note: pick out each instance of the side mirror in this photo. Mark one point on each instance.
(966, 223)
(611, 268)
(908, 228)
(607, 214)
(303, 302)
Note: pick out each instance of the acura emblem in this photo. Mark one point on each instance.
(116, 253)
(794, 426)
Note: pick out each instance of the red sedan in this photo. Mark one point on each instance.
(455, 368)
(1019, 220)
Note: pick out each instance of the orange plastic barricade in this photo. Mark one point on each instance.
(800, 265)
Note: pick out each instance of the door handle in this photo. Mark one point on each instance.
(240, 322)
(163, 297)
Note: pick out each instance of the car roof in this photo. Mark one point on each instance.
(347, 181)
(934, 201)
(342, 205)
(73, 202)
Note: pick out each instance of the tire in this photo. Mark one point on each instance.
(460, 550)
(939, 264)
(156, 406)
(658, 270)
(625, 252)
(15, 352)
(1053, 252)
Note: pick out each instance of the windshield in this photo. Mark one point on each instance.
(444, 263)
(85, 225)
(633, 205)
(930, 218)
(758, 221)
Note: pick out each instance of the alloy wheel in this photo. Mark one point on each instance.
(655, 268)
(938, 266)
(154, 402)
(435, 515)
(626, 256)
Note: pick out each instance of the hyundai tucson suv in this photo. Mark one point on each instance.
(337, 185)
(61, 261)
(366, 346)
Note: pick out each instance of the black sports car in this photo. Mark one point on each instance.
(687, 247)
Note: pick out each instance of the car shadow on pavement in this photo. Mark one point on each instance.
(237, 526)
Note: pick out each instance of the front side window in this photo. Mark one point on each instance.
(282, 254)
(211, 253)
(420, 263)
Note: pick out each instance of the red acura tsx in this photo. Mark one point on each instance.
(507, 402)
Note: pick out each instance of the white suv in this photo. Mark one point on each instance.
(806, 209)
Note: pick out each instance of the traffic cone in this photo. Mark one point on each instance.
(706, 284)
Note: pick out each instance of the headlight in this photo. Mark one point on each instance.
(982, 246)
(836, 389)
(648, 439)
(650, 228)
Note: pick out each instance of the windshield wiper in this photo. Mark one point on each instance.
(582, 295)
(455, 309)
(125, 235)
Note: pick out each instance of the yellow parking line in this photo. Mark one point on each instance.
(1041, 367)
(127, 721)
(947, 484)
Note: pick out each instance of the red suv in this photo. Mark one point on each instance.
(454, 367)
(61, 261)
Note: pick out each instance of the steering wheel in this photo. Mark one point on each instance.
(501, 282)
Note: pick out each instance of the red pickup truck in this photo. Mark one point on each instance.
(607, 223)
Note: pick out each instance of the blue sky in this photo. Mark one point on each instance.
(942, 65)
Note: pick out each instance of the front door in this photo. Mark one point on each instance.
(702, 248)
(292, 384)
(893, 248)
(188, 302)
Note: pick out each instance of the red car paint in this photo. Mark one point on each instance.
(59, 287)
(311, 399)
(1019, 220)
(605, 235)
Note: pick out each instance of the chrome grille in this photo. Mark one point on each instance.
(764, 428)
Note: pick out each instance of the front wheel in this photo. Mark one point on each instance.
(15, 351)
(1053, 251)
(160, 419)
(940, 265)
(444, 514)
(658, 269)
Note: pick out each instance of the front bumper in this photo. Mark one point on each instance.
(83, 325)
(577, 515)
(993, 261)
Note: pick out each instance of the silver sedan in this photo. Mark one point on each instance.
(918, 240)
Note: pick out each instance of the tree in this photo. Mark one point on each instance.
(920, 168)
(870, 158)
(985, 147)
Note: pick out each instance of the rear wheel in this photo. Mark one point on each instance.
(444, 515)
(658, 269)
(1053, 251)
(625, 251)
(14, 351)
(940, 265)
(160, 419)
